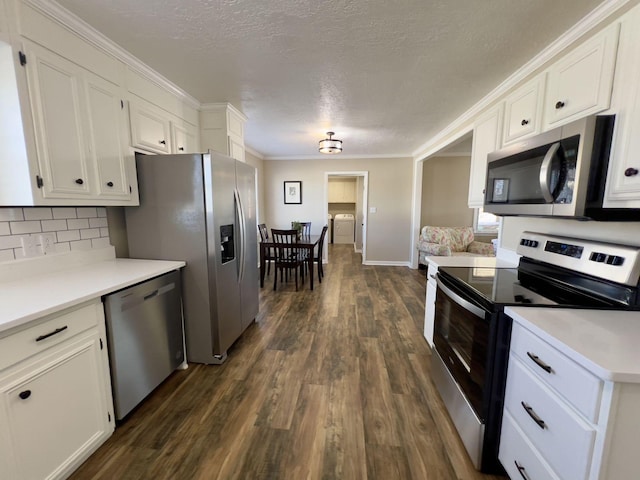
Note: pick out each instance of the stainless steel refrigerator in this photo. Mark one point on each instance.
(201, 208)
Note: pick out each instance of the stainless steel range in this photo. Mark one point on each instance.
(472, 334)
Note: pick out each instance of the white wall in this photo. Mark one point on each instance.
(390, 192)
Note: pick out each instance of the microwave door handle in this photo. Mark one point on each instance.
(470, 307)
(545, 172)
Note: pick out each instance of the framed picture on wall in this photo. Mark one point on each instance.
(293, 192)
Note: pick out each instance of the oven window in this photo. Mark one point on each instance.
(461, 338)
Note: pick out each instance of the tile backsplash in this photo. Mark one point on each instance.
(52, 230)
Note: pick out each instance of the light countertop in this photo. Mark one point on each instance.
(34, 295)
(604, 342)
(469, 261)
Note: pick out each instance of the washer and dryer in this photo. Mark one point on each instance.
(343, 228)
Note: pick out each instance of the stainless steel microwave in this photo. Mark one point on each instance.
(559, 173)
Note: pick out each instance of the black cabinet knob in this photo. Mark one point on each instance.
(79, 181)
(162, 142)
(630, 172)
(181, 149)
(524, 122)
(559, 105)
(109, 184)
(24, 395)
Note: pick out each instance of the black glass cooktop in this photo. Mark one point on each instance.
(535, 285)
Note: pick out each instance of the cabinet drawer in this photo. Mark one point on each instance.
(57, 328)
(564, 440)
(518, 457)
(581, 388)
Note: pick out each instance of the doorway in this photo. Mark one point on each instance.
(346, 193)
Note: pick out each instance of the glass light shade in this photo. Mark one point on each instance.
(330, 145)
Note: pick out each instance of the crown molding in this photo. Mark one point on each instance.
(71, 22)
(595, 18)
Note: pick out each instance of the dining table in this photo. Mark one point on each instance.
(305, 242)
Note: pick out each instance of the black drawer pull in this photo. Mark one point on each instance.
(24, 395)
(521, 470)
(109, 184)
(539, 362)
(534, 416)
(162, 142)
(79, 181)
(524, 122)
(55, 332)
(630, 172)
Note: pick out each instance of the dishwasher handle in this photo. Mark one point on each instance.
(133, 300)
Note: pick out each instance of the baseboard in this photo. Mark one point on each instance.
(383, 263)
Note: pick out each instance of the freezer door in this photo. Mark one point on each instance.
(220, 205)
(246, 187)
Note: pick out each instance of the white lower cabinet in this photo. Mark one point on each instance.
(562, 422)
(55, 398)
(430, 304)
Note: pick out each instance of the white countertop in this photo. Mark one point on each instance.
(39, 293)
(469, 261)
(604, 342)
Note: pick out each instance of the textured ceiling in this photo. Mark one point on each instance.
(385, 75)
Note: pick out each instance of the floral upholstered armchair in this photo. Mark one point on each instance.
(448, 241)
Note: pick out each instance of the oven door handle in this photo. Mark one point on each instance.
(470, 307)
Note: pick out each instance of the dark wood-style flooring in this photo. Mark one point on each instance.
(329, 384)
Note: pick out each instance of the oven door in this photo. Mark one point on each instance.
(461, 338)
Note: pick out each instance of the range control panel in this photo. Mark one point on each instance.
(618, 263)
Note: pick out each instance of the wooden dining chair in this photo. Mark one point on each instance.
(287, 256)
(317, 258)
(306, 228)
(269, 253)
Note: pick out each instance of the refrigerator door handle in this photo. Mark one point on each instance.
(240, 213)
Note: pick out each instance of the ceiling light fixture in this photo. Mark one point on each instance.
(330, 145)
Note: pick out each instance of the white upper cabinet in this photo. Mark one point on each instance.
(523, 110)
(149, 128)
(623, 179)
(342, 190)
(107, 122)
(487, 133)
(55, 88)
(580, 83)
(184, 138)
(222, 130)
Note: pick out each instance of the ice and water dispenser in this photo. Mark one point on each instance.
(226, 243)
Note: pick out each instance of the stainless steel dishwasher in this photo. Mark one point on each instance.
(145, 335)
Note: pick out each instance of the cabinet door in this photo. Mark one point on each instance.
(623, 179)
(106, 122)
(236, 149)
(486, 139)
(335, 191)
(523, 111)
(580, 83)
(184, 139)
(149, 129)
(56, 410)
(430, 311)
(55, 89)
(349, 195)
